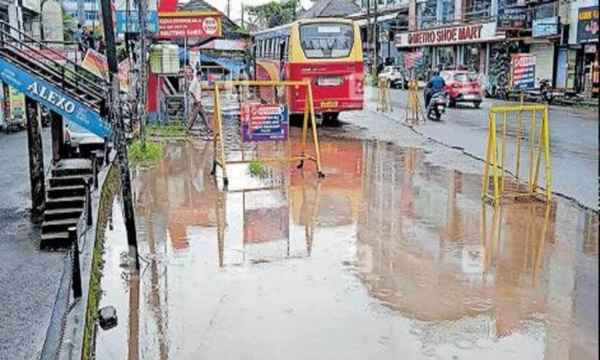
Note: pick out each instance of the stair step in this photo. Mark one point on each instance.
(68, 180)
(65, 202)
(62, 213)
(72, 167)
(55, 192)
(55, 240)
(62, 225)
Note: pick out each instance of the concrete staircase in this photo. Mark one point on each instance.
(65, 201)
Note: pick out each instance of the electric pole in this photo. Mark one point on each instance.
(375, 38)
(228, 8)
(369, 37)
(142, 9)
(115, 118)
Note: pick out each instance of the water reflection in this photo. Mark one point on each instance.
(437, 255)
(388, 257)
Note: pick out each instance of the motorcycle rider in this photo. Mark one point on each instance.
(435, 85)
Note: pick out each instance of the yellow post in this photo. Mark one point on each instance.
(546, 127)
(220, 130)
(519, 128)
(314, 130)
(495, 159)
(502, 164)
(486, 170)
(531, 146)
(305, 124)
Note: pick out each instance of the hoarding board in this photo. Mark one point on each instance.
(523, 71)
(181, 25)
(265, 122)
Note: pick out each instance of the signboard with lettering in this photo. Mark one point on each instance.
(413, 59)
(16, 104)
(131, 23)
(474, 33)
(48, 56)
(587, 25)
(53, 98)
(265, 122)
(523, 71)
(516, 17)
(180, 25)
(545, 27)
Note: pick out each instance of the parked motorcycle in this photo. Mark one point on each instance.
(546, 91)
(437, 106)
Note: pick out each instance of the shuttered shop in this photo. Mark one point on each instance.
(544, 65)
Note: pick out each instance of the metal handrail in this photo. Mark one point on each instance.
(4, 25)
(87, 84)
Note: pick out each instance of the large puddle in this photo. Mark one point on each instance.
(387, 258)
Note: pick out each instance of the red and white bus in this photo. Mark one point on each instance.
(325, 52)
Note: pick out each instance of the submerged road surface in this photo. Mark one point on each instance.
(388, 257)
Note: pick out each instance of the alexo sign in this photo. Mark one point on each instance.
(447, 36)
(179, 25)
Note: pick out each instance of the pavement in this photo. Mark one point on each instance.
(573, 140)
(29, 278)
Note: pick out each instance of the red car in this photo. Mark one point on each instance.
(463, 87)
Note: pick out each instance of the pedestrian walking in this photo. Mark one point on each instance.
(90, 40)
(195, 96)
(79, 37)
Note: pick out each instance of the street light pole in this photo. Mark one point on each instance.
(115, 118)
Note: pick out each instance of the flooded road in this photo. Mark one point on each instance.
(388, 257)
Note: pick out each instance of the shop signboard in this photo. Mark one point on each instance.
(132, 21)
(16, 104)
(1, 105)
(545, 27)
(523, 71)
(49, 56)
(587, 25)
(95, 63)
(265, 122)
(181, 25)
(473, 33)
(413, 59)
(515, 17)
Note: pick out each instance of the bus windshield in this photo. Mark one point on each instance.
(326, 40)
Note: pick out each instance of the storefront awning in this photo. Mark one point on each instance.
(229, 64)
(382, 18)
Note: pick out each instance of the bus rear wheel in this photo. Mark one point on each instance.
(331, 119)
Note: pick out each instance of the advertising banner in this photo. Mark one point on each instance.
(124, 68)
(16, 104)
(523, 71)
(48, 56)
(545, 27)
(474, 33)
(265, 122)
(587, 25)
(516, 17)
(2, 117)
(53, 98)
(180, 25)
(95, 63)
(413, 59)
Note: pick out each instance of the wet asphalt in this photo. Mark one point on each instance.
(29, 278)
(573, 140)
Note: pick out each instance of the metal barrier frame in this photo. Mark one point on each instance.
(309, 111)
(491, 152)
(384, 96)
(413, 113)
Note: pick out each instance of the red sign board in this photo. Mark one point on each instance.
(180, 25)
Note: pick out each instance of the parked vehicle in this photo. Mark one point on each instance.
(75, 135)
(437, 105)
(326, 52)
(396, 76)
(462, 87)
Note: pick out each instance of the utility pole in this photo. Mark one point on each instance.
(115, 118)
(228, 8)
(369, 37)
(375, 38)
(242, 24)
(142, 9)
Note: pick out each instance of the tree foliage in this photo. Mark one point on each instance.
(274, 13)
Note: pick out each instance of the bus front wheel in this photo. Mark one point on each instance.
(331, 119)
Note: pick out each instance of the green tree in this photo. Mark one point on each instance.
(68, 26)
(274, 13)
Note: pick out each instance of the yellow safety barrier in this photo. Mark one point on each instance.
(384, 98)
(522, 143)
(309, 113)
(413, 113)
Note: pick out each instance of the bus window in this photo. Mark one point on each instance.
(286, 52)
(326, 40)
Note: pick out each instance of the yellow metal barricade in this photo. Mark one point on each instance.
(515, 160)
(413, 113)
(384, 99)
(268, 91)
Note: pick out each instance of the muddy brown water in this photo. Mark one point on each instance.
(387, 258)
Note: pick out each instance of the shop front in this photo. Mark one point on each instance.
(452, 48)
(585, 50)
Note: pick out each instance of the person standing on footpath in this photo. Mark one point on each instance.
(195, 94)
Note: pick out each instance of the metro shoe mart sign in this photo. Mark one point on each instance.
(474, 33)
